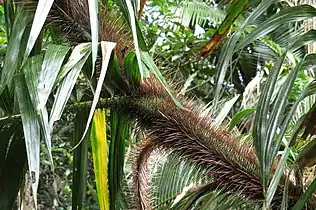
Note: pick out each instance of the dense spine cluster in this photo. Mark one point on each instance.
(192, 135)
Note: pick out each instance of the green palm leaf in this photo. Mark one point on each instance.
(197, 12)
(31, 129)
(107, 48)
(80, 160)
(228, 48)
(70, 71)
(41, 13)
(120, 131)
(100, 158)
(93, 14)
(15, 47)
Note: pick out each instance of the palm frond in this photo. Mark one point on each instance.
(120, 130)
(198, 12)
(172, 178)
(195, 137)
(80, 159)
(141, 174)
(204, 197)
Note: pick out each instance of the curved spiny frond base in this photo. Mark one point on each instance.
(193, 135)
(141, 180)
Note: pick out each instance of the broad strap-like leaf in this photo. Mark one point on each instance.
(143, 71)
(127, 11)
(31, 129)
(107, 48)
(13, 60)
(41, 13)
(77, 54)
(9, 16)
(74, 65)
(53, 59)
(94, 25)
(100, 158)
(80, 160)
(307, 38)
(40, 78)
(31, 71)
(120, 131)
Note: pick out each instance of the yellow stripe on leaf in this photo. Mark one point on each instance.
(100, 159)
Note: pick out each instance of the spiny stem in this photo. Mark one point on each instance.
(103, 103)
